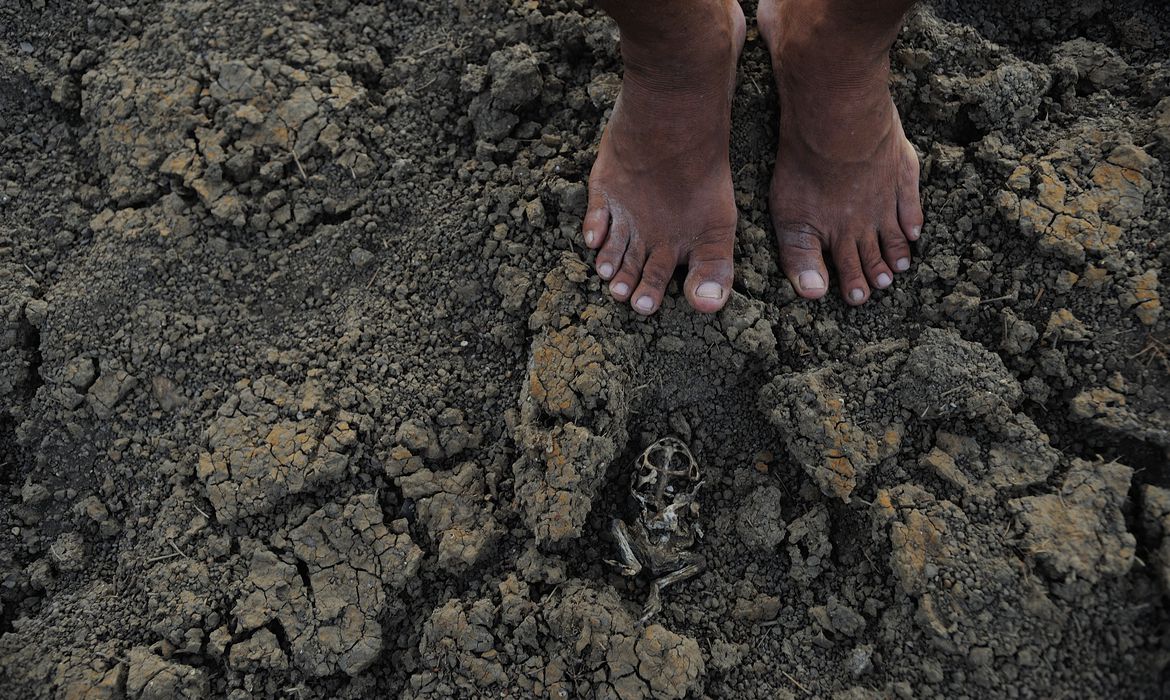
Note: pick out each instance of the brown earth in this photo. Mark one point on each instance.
(306, 389)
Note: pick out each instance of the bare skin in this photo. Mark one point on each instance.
(846, 177)
(660, 193)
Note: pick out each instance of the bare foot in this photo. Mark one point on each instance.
(846, 178)
(660, 192)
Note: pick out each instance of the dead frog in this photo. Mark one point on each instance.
(665, 484)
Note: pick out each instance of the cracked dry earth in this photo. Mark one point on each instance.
(307, 391)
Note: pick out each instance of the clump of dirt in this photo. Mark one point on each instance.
(576, 641)
(307, 388)
(255, 459)
(1080, 532)
(325, 596)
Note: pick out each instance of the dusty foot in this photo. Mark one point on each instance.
(660, 191)
(846, 178)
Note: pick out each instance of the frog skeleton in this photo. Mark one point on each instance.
(665, 484)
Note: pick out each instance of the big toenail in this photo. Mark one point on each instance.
(915, 232)
(644, 304)
(621, 289)
(902, 264)
(589, 236)
(884, 280)
(811, 281)
(710, 290)
(605, 270)
(856, 295)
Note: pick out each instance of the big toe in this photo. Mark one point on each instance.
(801, 260)
(708, 284)
(910, 216)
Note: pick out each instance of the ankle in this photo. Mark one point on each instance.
(833, 88)
(846, 44)
(833, 53)
(697, 46)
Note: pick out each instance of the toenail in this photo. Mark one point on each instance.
(605, 270)
(621, 289)
(811, 281)
(902, 264)
(884, 280)
(644, 304)
(589, 236)
(709, 290)
(915, 232)
(856, 295)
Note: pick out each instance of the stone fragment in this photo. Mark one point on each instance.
(838, 619)
(108, 391)
(1063, 326)
(93, 508)
(80, 373)
(36, 312)
(960, 305)
(361, 258)
(756, 607)
(603, 90)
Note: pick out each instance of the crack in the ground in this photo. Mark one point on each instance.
(306, 579)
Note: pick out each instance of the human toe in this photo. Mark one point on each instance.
(626, 278)
(877, 272)
(656, 274)
(609, 258)
(895, 248)
(910, 216)
(851, 277)
(802, 261)
(710, 272)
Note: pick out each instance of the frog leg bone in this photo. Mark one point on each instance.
(629, 565)
(654, 602)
